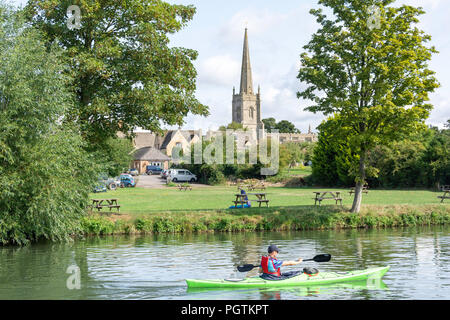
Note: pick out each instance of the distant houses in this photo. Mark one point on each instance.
(170, 139)
(156, 149)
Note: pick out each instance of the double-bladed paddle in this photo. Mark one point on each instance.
(318, 258)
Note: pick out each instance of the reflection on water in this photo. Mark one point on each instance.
(154, 267)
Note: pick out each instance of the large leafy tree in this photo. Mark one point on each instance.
(45, 173)
(285, 126)
(437, 156)
(370, 67)
(269, 124)
(233, 126)
(116, 155)
(332, 157)
(125, 73)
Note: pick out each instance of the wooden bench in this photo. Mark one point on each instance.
(263, 201)
(240, 199)
(110, 207)
(327, 195)
(98, 204)
(242, 202)
(239, 202)
(446, 195)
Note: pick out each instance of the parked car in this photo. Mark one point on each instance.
(163, 174)
(113, 183)
(153, 170)
(133, 172)
(126, 180)
(167, 173)
(100, 187)
(182, 175)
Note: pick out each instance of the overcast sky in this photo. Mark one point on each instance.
(277, 32)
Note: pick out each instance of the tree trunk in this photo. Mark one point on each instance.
(360, 183)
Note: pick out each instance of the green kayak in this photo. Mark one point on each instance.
(300, 280)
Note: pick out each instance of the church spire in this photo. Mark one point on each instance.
(246, 72)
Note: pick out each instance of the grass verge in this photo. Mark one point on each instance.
(268, 219)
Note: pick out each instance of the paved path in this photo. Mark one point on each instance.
(153, 181)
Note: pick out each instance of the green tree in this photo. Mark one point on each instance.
(269, 124)
(115, 155)
(290, 154)
(376, 78)
(45, 173)
(307, 148)
(233, 126)
(125, 74)
(332, 157)
(285, 126)
(400, 164)
(437, 156)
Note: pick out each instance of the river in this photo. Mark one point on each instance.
(155, 266)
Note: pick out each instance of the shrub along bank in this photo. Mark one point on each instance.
(271, 219)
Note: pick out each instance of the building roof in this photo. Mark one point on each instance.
(187, 134)
(150, 154)
(167, 139)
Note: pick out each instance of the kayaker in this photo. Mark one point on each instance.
(271, 266)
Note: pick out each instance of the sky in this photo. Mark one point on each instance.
(277, 32)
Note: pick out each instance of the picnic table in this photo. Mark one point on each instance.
(240, 199)
(243, 186)
(185, 187)
(364, 190)
(446, 195)
(100, 204)
(251, 185)
(327, 195)
(259, 186)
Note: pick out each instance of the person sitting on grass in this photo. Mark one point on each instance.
(249, 204)
(271, 266)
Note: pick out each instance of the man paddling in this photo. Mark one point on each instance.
(270, 265)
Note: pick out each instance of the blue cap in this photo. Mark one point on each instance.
(273, 248)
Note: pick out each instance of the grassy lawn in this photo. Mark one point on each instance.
(298, 171)
(138, 201)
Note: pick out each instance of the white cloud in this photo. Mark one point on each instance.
(257, 20)
(270, 95)
(219, 70)
(441, 111)
(433, 4)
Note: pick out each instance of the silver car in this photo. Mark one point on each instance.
(179, 175)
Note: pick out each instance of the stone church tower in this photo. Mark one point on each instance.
(247, 104)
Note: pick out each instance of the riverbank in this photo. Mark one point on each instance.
(267, 219)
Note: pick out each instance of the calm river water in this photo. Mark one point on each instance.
(154, 267)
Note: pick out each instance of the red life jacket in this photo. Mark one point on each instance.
(265, 260)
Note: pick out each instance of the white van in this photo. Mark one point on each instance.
(179, 175)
